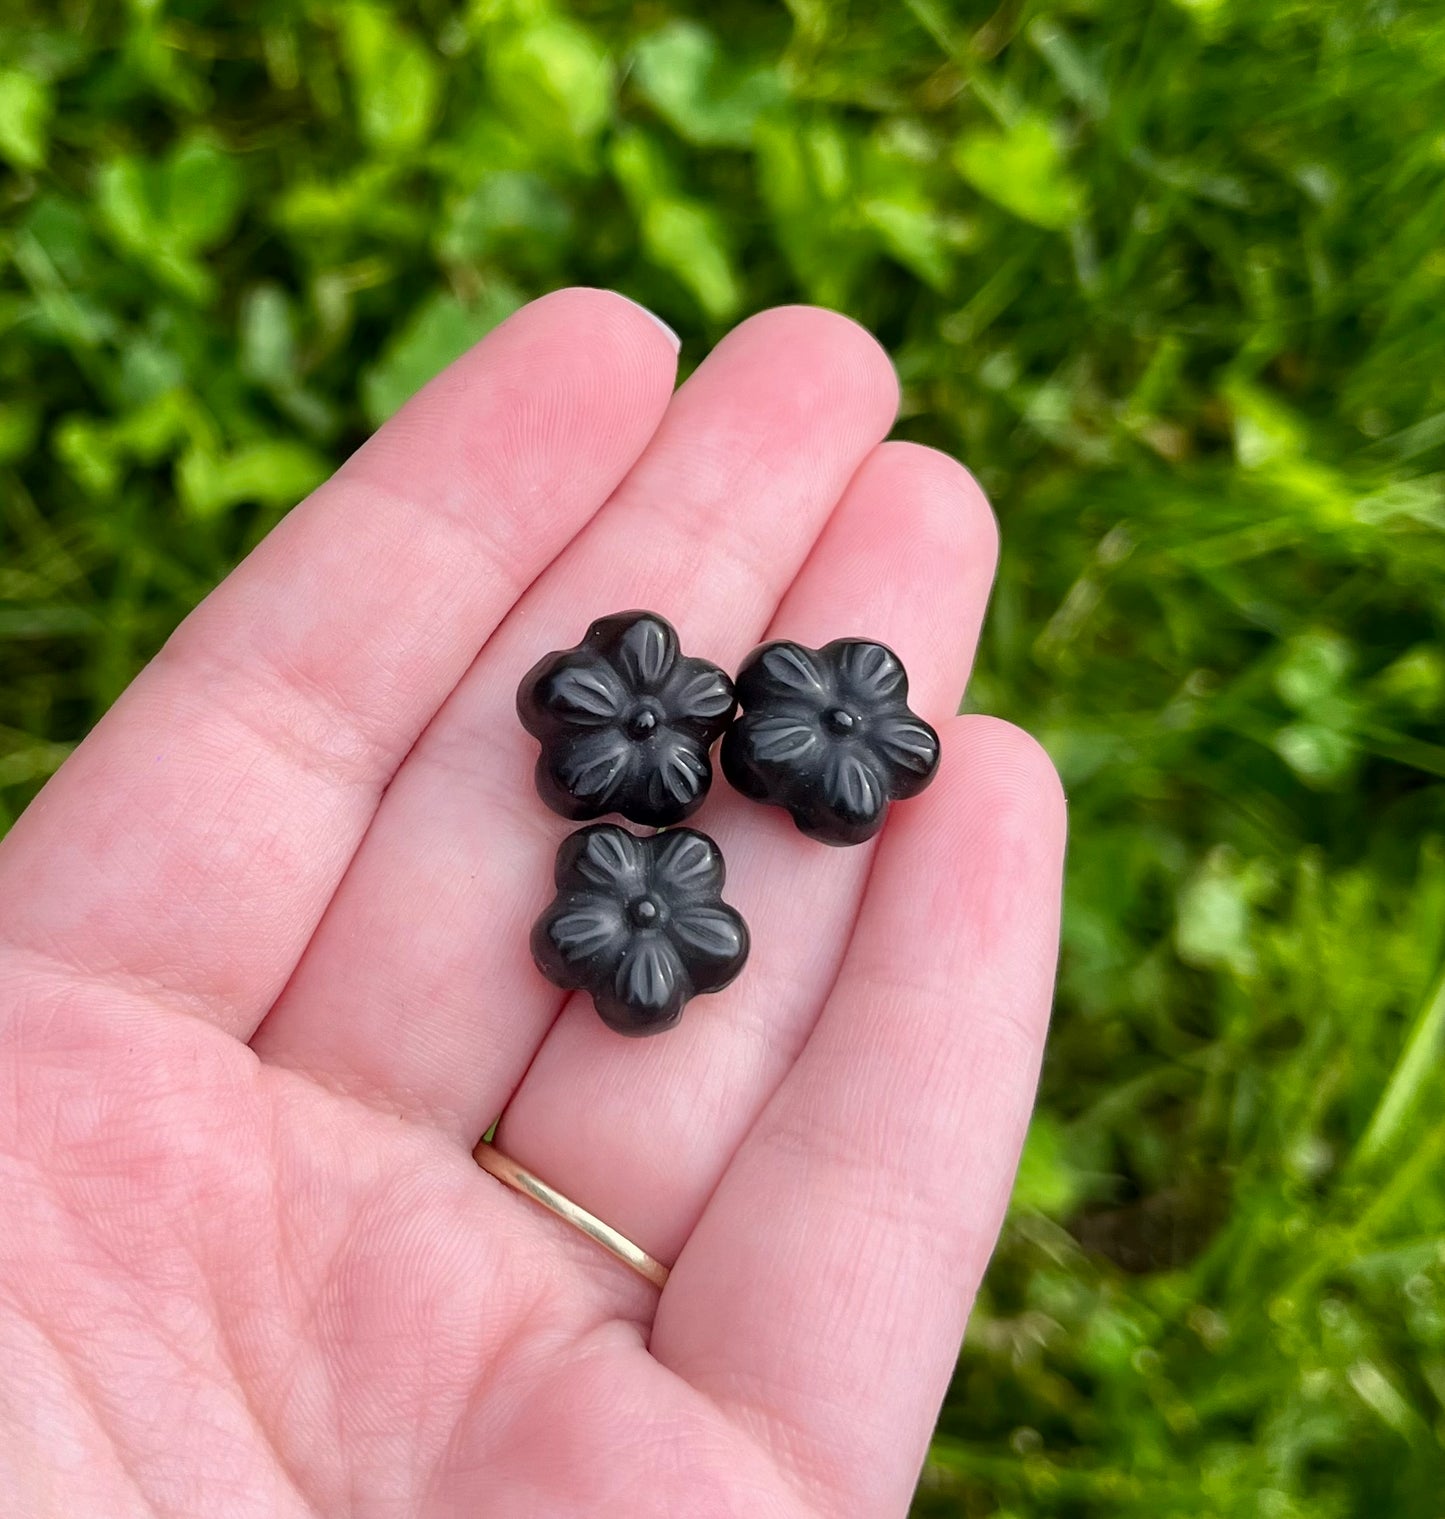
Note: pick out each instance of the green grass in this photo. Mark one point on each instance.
(1171, 278)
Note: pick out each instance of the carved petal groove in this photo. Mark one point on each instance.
(775, 740)
(649, 975)
(646, 652)
(871, 672)
(791, 671)
(594, 765)
(853, 786)
(686, 864)
(587, 929)
(608, 859)
(711, 933)
(908, 743)
(587, 694)
(702, 696)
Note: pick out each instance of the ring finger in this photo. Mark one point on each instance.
(639, 1133)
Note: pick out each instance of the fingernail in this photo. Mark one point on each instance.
(672, 337)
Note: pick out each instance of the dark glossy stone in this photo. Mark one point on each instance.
(625, 722)
(828, 734)
(640, 924)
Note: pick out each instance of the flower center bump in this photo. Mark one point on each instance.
(839, 720)
(645, 912)
(642, 722)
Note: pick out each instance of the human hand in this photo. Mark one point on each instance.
(264, 982)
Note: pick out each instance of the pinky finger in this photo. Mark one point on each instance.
(822, 1297)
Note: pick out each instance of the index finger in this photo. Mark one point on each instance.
(190, 845)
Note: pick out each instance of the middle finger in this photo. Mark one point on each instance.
(418, 991)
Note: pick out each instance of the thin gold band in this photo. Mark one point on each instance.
(507, 1170)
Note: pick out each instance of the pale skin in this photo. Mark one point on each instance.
(264, 982)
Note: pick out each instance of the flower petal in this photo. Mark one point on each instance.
(594, 766)
(869, 673)
(649, 988)
(645, 652)
(604, 856)
(852, 787)
(700, 693)
(589, 929)
(780, 740)
(909, 744)
(779, 671)
(586, 692)
(686, 864)
(713, 944)
(579, 939)
(676, 778)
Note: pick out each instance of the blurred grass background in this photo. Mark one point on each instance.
(1170, 276)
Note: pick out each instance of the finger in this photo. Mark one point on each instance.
(192, 842)
(419, 991)
(822, 1297)
(640, 1133)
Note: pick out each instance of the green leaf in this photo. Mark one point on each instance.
(687, 238)
(151, 432)
(276, 473)
(1266, 431)
(1416, 680)
(911, 233)
(440, 330)
(131, 196)
(363, 200)
(1321, 755)
(149, 368)
(898, 194)
(682, 73)
(124, 199)
(199, 193)
(1048, 1181)
(1312, 669)
(396, 83)
(641, 166)
(507, 210)
(808, 172)
(19, 427)
(1214, 920)
(88, 453)
(553, 81)
(680, 235)
(268, 336)
(1023, 171)
(63, 231)
(25, 109)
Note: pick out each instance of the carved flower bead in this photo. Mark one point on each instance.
(625, 722)
(828, 734)
(640, 924)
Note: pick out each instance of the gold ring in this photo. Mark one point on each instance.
(506, 1170)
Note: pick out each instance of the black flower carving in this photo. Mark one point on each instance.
(640, 924)
(625, 722)
(828, 734)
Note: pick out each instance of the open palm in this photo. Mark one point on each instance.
(264, 982)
